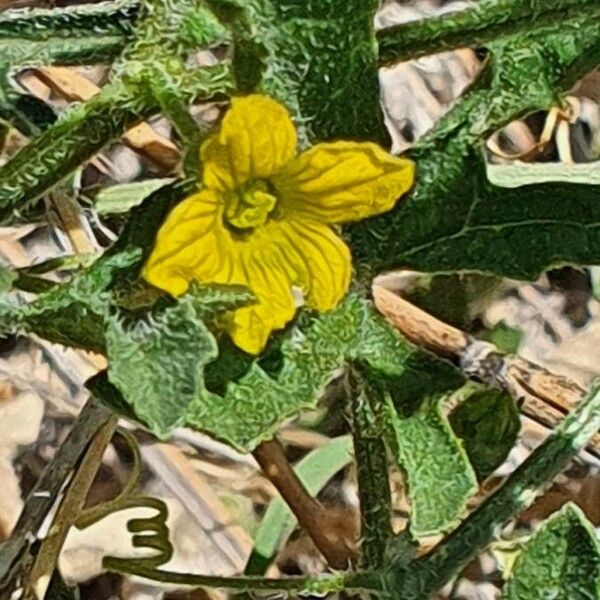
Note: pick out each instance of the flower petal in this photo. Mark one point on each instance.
(255, 140)
(339, 182)
(191, 244)
(252, 325)
(326, 262)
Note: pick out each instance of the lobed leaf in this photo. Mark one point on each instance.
(285, 48)
(72, 313)
(252, 408)
(455, 219)
(157, 363)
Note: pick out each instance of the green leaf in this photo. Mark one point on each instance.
(507, 339)
(514, 233)
(157, 363)
(455, 219)
(121, 198)
(488, 424)
(409, 384)
(201, 28)
(314, 470)
(561, 561)
(438, 473)
(251, 409)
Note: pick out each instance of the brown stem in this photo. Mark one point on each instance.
(547, 397)
(311, 515)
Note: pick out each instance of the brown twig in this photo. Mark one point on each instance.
(546, 397)
(72, 222)
(311, 515)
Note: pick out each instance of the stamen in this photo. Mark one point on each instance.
(250, 207)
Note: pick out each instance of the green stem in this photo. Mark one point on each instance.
(68, 261)
(474, 27)
(78, 135)
(33, 284)
(373, 483)
(364, 581)
(424, 576)
(81, 132)
(173, 106)
(105, 18)
(75, 51)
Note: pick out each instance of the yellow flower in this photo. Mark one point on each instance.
(263, 217)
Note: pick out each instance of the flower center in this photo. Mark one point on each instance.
(251, 206)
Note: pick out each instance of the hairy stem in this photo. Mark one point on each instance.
(475, 27)
(75, 51)
(83, 131)
(546, 397)
(105, 18)
(373, 482)
(364, 581)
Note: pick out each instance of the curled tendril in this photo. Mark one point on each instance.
(151, 532)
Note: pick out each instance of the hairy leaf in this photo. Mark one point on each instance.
(157, 363)
(439, 477)
(252, 408)
(561, 561)
(72, 313)
(285, 48)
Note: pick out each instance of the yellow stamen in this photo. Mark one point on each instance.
(251, 207)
